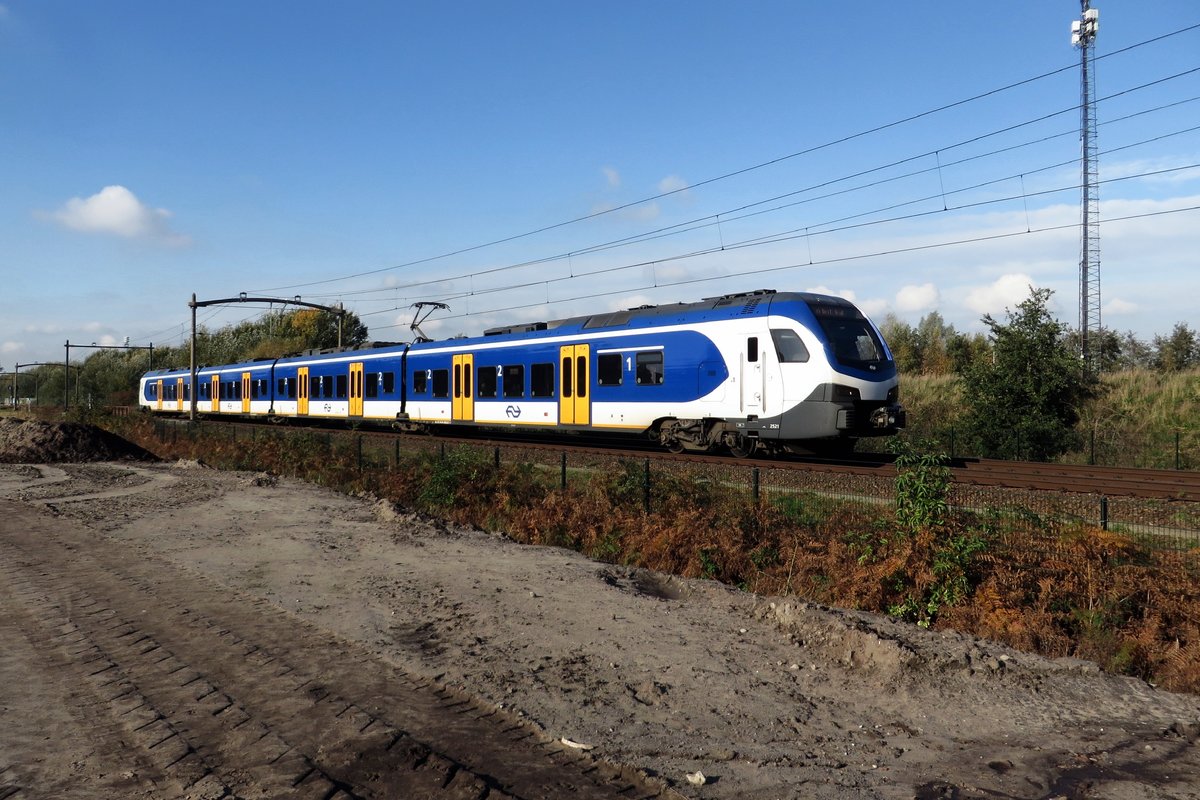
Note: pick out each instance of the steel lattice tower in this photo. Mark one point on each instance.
(1083, 36)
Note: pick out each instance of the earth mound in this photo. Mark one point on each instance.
(36, 442)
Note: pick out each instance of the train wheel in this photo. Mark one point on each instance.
(742, 446)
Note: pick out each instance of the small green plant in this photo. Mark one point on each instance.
(764, 556)
(709, 568)
(922, 488)
(460, 468)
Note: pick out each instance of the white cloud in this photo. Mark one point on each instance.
(1118, 307)
(875, 309)
(846, 293)
(1007, 291)
(116, 211)
(917, 298)
(612, 177)
(11, 347)
(672, 183)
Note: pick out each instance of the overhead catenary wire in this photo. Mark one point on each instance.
(735, 213)
(730, 174)
(834, 260)
(811, 228)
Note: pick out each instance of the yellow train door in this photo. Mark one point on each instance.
(245, 392)
(215, 393)
(158, 392)
(463, 405)
(302, 390)
(179, 392)
(356, 389)
(574, 401)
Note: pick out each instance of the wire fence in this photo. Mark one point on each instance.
(1144, 449)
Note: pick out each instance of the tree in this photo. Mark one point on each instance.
(1178, 351)
(902, 341)
(933, 342)
(1026, 400)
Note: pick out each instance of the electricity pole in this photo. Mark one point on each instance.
(1083, 36)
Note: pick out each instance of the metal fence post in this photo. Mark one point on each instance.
(1103, 513)
(497, 458)
(646, 487)
(358, 451)
(563, 483)
(1176, 449)
(756, 486)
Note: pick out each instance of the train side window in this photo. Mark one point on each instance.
(752, 349)
(788, 346)
(486, 382)
(372, 384)
(314, 386)
(281, 387)
(514, 380)
(541, 380)
(327, 386)
(254, 389)
(650, 368)
(420, 381)
(441, 383)
(389, 382)
(608, 369)
(341, 387)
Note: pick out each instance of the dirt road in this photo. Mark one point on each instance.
(179, 632)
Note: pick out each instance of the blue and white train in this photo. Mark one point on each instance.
(763, 370)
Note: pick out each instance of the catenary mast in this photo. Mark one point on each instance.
(1083, 36)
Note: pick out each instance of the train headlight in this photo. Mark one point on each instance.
(844, 394)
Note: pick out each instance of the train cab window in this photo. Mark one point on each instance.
(341, 387)
(420, 382)
(650, 368)
(486, 382)
(608, 369)
(514, 380)
(788, 346)
(752, 349)
(541, 380)
(441, 383)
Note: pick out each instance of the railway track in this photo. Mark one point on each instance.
(214, 695)
(1109, 481)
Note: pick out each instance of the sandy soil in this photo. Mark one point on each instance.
(767, 697)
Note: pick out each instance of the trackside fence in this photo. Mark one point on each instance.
(1016, 517)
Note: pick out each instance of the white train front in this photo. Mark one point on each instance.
(762, 370)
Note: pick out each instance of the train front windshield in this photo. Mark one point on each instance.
(852, 337)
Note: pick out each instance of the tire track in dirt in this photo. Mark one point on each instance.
(229, 697)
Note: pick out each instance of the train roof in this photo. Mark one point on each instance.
(727, 306)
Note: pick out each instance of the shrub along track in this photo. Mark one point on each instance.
(218, 695)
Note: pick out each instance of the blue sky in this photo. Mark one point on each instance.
(524, 161)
